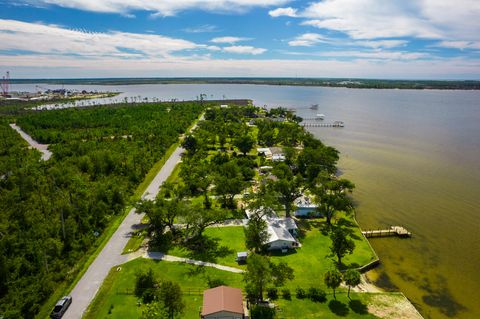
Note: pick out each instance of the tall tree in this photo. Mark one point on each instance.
(341, 244)
(228, 183)
(261, 272)
(331, 195)
(352, 279)
(287, 186)
(244, 143)
(171, 296)
(256, 234)
(332, 279)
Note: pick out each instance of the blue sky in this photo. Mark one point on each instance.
(407, 39)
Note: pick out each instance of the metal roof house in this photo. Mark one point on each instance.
(223, 302)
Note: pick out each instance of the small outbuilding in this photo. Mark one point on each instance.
(223, 302)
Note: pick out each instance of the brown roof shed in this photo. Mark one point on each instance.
(222, 298)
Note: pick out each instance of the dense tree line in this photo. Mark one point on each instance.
(52, 212)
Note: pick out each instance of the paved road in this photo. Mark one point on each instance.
(43, 148)
(111, 255)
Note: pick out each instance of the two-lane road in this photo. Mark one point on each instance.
(111, 255)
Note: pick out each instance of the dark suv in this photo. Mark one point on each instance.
(61, 307)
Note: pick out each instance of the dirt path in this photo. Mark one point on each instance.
(43, 148)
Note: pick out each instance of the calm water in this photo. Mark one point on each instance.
(415, 159)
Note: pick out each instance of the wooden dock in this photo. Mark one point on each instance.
(316, 124)
(393, 231)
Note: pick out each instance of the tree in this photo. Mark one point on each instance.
(332, 279)
(197, 218)
(154, 310)
(341, 244)
(190, 143)
(244, 143)
(331, 195)
(287, 186)
(228, 183)
(261, 272)
(351, 278)
(171, 296)
(256, 234)
(143, 282)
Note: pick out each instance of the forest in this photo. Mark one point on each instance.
(53, 212)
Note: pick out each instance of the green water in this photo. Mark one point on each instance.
(415, 160)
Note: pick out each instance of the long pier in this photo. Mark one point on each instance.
(393, 231)
(334, 124)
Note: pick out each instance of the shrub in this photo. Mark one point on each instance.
(148, 295)
(317, 294)
(215, 282)
(286, 294)
(272, 293)
(144, 281)
(300, 293)
(262, 312)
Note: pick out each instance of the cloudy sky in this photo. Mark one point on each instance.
(407, 39)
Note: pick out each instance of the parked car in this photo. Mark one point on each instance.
(61, 306)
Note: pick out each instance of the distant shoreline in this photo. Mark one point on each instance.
(308, 82)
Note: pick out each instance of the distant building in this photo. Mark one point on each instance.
(223, 302)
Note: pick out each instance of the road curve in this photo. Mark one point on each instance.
(111, 255)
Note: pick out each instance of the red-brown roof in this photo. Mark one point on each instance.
(222, 298)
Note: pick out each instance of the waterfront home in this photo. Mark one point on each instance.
(281, 230)
(305, 207)
(223, 302)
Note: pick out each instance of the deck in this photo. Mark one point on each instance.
(398, 231)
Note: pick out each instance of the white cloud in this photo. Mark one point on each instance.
(372, 19)
(205, 28)
(230, 40)
(244, 49)
(462, 45)
(307, 40)
(49, 39)
(65, 66)
(161, 7)
(287, 12)
(381, 43)
(368, 55)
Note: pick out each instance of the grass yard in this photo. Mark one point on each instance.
(115, 299)
(310, 262)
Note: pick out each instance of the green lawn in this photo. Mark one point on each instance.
(310, 262)
(115, 295)
(116, 300)
(229, 241)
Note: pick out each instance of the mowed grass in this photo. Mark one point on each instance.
(310, 262)
(228, 241)
(115, 299)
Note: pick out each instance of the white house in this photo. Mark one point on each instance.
(281, 231)
(305, 207)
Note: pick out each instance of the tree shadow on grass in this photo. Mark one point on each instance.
(207, 249)
(358, 307)
(338, 308)
(349, 227)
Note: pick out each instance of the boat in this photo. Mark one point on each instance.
(320, 116)
(314, 107)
